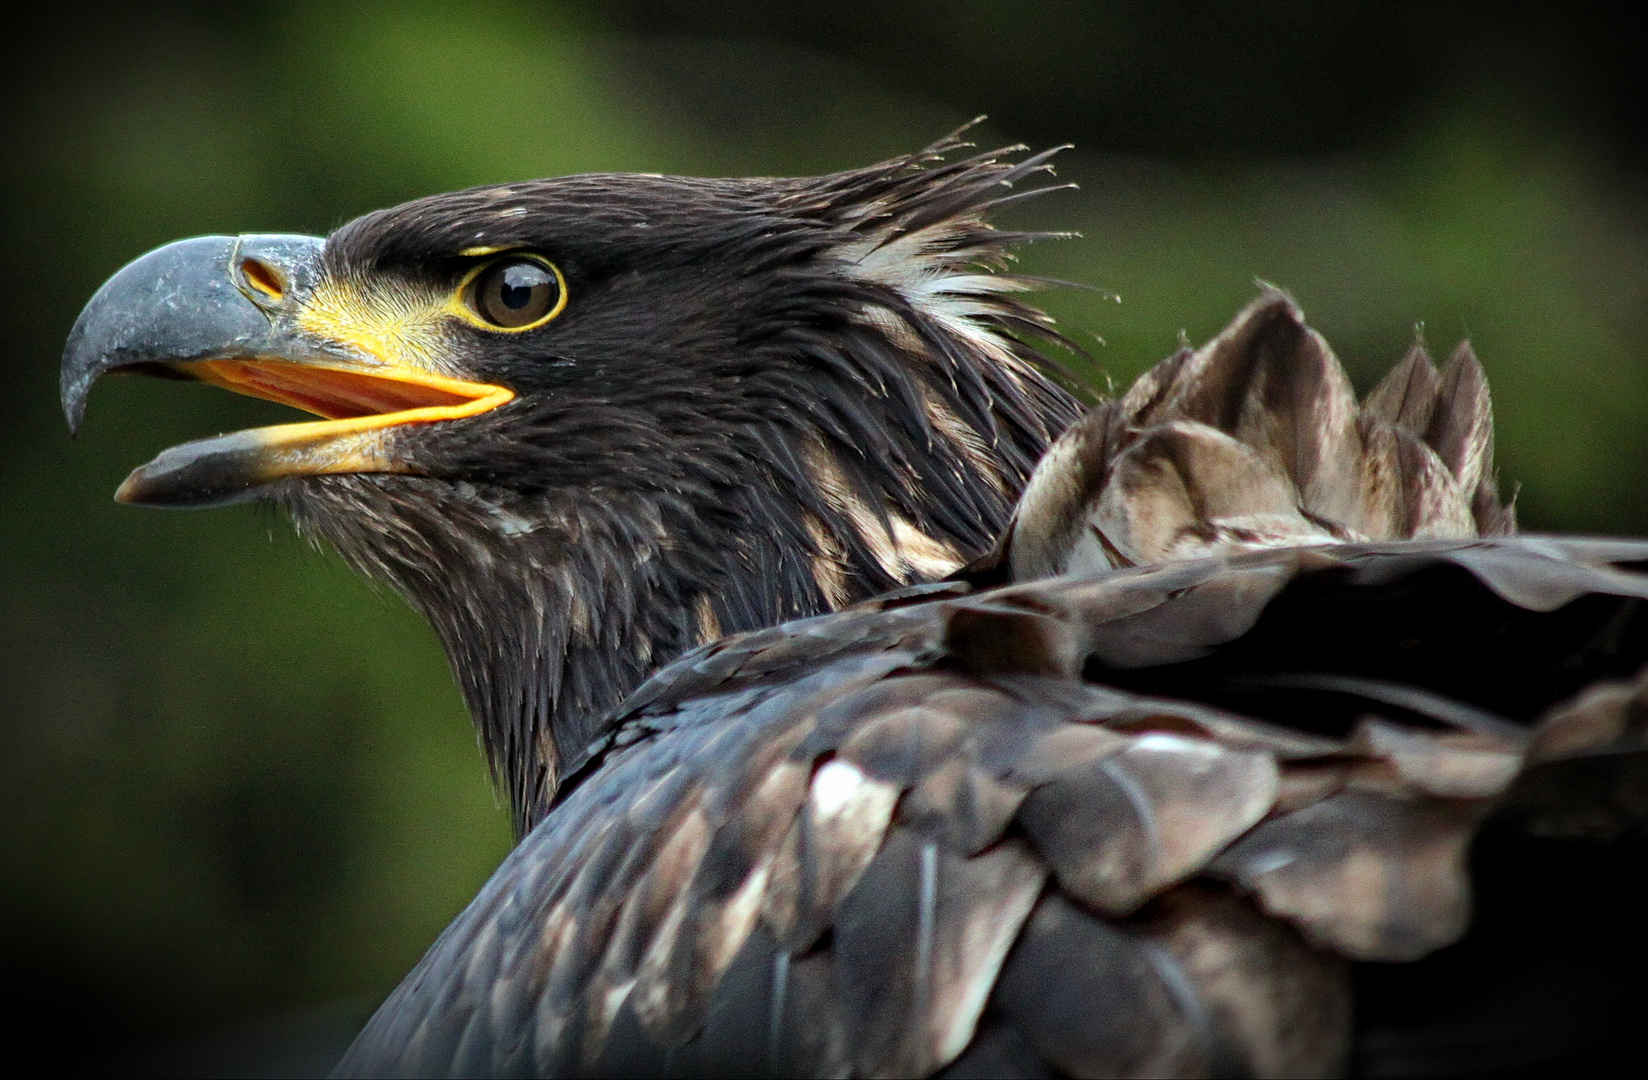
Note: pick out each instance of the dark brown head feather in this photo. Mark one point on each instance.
(765, 398)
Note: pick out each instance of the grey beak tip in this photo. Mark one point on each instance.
(177, 303)
(74, 405)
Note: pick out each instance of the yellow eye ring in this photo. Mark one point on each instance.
(511, 294)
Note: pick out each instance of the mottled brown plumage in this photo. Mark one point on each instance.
(1142, 820)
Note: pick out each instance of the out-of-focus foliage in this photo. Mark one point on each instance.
(235, 781)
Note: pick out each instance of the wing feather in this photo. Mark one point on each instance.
(1139, 820)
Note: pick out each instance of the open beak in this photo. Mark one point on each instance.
(224, 310)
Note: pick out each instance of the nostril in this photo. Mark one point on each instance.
(263, 278)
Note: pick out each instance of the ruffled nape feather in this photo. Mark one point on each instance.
(1256, 440)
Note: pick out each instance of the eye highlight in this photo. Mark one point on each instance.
(517, 292)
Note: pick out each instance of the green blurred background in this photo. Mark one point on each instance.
(237, 784)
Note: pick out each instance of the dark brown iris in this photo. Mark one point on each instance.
(513, 293)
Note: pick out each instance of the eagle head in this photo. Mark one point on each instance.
(585, 424)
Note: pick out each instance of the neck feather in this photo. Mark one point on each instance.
(554, 601)
(552, 607)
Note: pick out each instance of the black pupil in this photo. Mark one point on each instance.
(519, 281)
(518, 293)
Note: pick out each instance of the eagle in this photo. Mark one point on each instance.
(867, 705)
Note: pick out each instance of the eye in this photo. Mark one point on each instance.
(517, 293)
